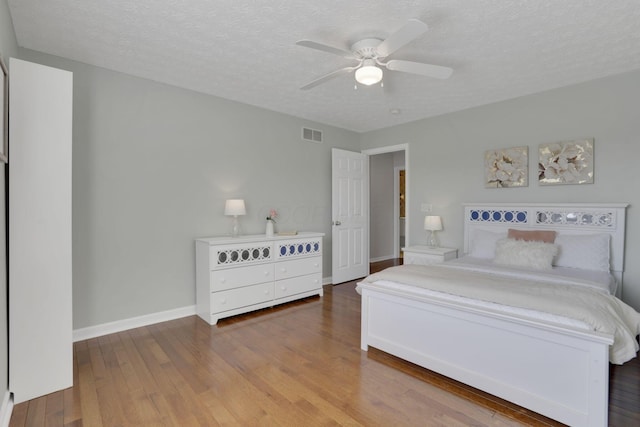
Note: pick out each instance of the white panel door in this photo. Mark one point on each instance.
(40, 311)
(350, 215)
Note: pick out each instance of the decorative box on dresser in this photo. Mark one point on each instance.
(236, 275)
(427, 255)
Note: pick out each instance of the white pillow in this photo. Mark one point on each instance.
(521, 253)
(483, 243)
(586, 251)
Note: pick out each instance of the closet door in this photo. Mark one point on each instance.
(40, 311)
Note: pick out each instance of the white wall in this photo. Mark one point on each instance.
(8, 48)
(446, 163)
(152, 167)
(381, 201)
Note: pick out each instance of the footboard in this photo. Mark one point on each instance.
(560, 372)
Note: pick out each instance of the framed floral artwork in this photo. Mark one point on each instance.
(566, 162)
(506, 167)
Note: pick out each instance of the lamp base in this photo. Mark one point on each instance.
(432, 239)
(235, 227)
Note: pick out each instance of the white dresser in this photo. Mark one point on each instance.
(235, 275)
(427, 255)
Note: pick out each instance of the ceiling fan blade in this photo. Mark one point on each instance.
(325, 48)
(328, 77)
(410, 31)
(429, 70)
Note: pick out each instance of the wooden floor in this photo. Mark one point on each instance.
(299, 364)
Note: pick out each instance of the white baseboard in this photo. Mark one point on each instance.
(382, 258)
(134, 322)
(327, 280)
(6, 409)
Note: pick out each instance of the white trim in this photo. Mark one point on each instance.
(327, 280)
(383, 258)
(396, 210)
(6, 409)
(387, 149)
(133, 322)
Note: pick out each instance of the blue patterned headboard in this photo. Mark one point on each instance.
(564, 218)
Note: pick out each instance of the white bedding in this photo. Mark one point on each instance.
(569, 297)
(602, 280)
(533, 314)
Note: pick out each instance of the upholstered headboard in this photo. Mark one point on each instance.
(564, 218)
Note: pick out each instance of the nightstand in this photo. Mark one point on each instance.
(427, 255)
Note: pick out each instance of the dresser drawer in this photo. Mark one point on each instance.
(237, 277)
(242, 297)
(298, 267)
(240, 254)
(297, 285)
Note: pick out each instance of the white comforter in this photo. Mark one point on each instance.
(574, 299)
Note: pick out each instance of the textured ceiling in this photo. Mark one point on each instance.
(245, 50)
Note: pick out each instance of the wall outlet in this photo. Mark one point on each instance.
(426, 207)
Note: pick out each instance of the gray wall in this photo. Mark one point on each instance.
(152, 167)
(8, 48)
(446, 156)
(381, 201)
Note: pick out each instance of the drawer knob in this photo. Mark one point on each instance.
(222, 280)
(266, 292)
(266, 273)
(284, 288)
(315, 281)
(224, 301)
(316, 264)
(284, 270)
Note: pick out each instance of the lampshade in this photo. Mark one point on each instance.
(432, 223)
(234, 207)
(368, 74)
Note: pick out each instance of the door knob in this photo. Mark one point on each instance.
(337, 223)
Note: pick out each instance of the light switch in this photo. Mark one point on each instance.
(426, 207)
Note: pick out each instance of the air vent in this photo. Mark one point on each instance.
(312, 135)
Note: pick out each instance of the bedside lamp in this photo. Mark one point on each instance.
(235, 207)
(432, 223)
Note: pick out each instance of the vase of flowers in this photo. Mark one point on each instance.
(271, 220)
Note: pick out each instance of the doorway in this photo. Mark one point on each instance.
(389, 206)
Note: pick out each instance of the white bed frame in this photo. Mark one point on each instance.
(557, 371)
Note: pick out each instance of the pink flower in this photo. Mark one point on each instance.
(272, 215)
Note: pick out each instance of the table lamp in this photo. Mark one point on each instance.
(235, 207)
(432, 223)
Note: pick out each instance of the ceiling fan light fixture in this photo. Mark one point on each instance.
(368, 74)
(372, 55)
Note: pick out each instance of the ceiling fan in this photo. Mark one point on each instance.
(370, 54)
